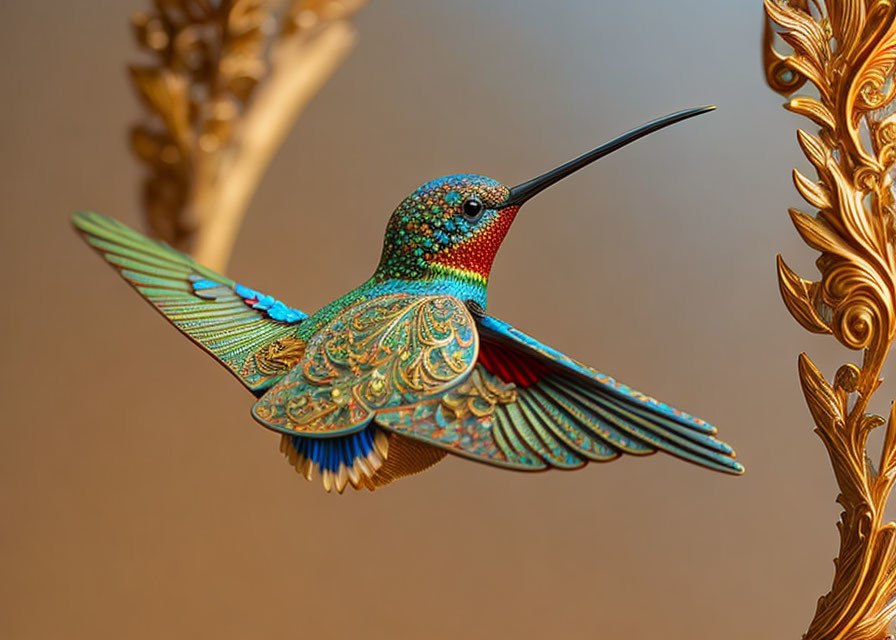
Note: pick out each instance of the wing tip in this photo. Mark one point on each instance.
(737, 468)
(709, 460)
(730, 466)
(80, 221)
(84, 218)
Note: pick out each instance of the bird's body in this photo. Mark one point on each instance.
(388, 379)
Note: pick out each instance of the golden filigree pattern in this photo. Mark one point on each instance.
(401, 345)
(279, 356)
(389, 351)
(846, 49)
(478, 395)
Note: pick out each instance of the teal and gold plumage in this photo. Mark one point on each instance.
(408, 367)
(233, 323)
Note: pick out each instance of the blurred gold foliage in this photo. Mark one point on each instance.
(225, 81)
(846, 50)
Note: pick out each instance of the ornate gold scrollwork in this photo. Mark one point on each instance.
(279, 356)
(846, 49)
(478, 395)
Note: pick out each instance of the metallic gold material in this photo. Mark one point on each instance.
(221, 92)
(406, 458)
(379, 353)
(279, 356)
(478, 395)
(846, 49)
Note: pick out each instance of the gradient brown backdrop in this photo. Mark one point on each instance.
(140, 500)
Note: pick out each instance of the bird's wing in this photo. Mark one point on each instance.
(527, 406)
(388, 351)
(252, 334)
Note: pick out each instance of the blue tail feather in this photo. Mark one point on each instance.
(331, 453)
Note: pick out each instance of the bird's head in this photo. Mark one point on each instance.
(455, 225)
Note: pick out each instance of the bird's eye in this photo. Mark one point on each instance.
(472, 209)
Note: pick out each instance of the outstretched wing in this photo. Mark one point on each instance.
(527, 406)
(392, 350)
(252, 334)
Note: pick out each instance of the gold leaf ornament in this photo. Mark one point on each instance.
(846, 49)
(478, 395)
(799, 296)
(823, 403)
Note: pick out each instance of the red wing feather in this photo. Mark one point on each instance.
(510, 365)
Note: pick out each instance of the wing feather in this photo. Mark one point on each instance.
(392, 350)
(253, 335)
(527, 406)
(555, 451)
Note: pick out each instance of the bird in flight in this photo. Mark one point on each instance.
(387, 380)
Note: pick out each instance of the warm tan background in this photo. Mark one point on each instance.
(138, 498)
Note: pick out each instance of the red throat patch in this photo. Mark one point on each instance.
(477, 253)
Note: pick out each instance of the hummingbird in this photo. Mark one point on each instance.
(390, 378)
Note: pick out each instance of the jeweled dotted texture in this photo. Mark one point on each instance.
(429, 233)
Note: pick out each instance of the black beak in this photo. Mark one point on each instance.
(522, 192)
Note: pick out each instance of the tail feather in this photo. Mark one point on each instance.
(363, 460)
